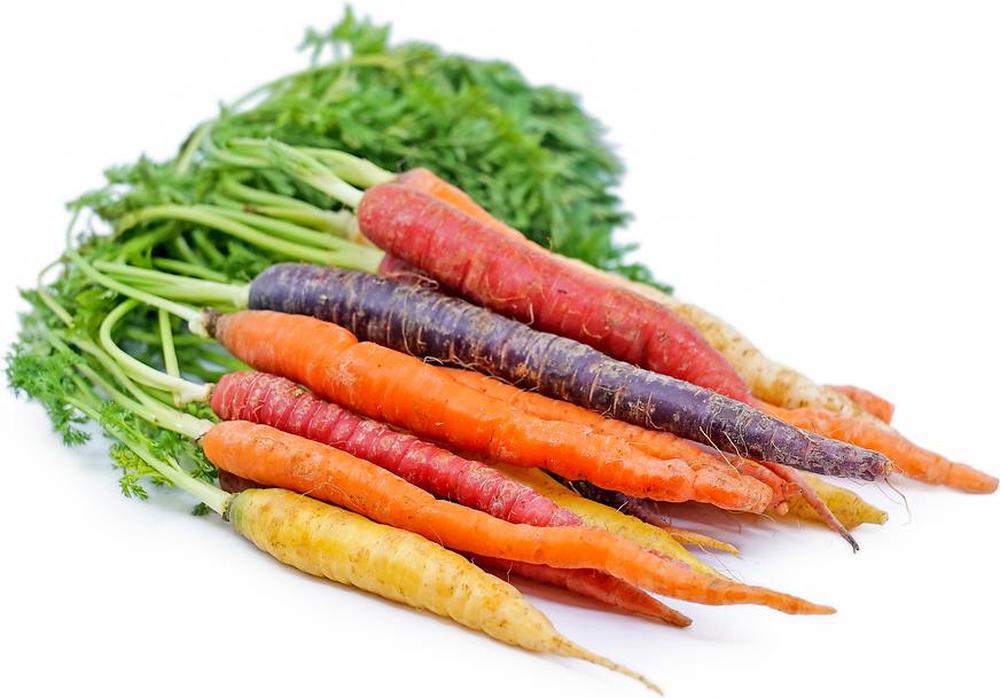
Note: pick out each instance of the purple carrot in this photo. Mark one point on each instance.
(423, 322)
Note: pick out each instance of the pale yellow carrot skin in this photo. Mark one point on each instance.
(693, 539)
(604, 517)
(325, 541)
(849, 508)
(768, 380)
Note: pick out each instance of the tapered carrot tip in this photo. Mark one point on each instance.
(571, 649)
(815, 609)
(793, 605)
(675, 618)
(968, 479)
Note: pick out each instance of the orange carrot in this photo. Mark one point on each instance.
(264, 454)
(402, 390)
(876, 406)
(744, 474)
(911, 460)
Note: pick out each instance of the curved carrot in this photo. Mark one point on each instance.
(402, 390)
(913, 461)
(876, 406)
(740, 477)
(264, 454)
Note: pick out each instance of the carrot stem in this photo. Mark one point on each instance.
(185, 390)
(346, 254)
(304, 167)
(208, 292)
(189, 269)
(170, 364)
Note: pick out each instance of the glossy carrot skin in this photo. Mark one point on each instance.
(524, 281)
(264, 454)
(280, 403)
(422, 322)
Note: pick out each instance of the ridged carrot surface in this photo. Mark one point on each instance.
(523, 280)
(608, 519)
(264, 454)
(910, 459)
(417, 320)
(266, 399)
(325, 541)
(404, 391)
(730, 482)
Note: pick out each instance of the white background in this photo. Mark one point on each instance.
(825, 176)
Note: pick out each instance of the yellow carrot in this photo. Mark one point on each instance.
(611, 520)
(849, 508)
(326, 541)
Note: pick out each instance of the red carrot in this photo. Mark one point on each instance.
(280, 403)
(511, 275)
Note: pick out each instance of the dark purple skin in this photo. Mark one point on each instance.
(423, 322)
(642, 509)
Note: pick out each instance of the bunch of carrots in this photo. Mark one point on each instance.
(421, 402)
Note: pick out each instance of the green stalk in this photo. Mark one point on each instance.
(169, 352)
(179, 246)
(214, 498)
(209, 250)
(232, 187)
(226, 157)
(210, 495)
(192, 315)
(282, 229)
(145, 241)
(189, 269)
(183, 163)
(184, 340)
(340, 223)
(352, 257)
(168, 285)
(143, 405)
(47, 298)
(185, 390)
(311, 171)
(223, 360)
(351, 168)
